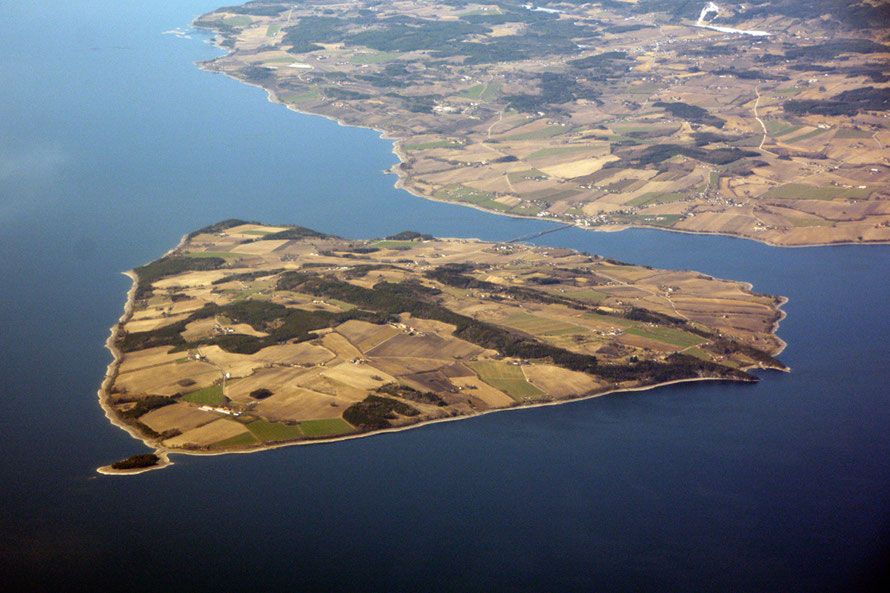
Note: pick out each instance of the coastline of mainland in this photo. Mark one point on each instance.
(230, 39)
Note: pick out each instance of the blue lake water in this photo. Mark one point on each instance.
(113, 145)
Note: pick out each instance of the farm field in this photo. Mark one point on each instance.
(604, 116)
(509, 379)
(431, 329)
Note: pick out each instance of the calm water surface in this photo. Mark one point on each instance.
(113, 145)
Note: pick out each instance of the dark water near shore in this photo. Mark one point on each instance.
(113, 145)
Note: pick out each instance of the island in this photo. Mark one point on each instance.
(249, 336)
(766, 120)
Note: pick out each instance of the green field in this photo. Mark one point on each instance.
(270, 432)
(654, 198)
(668, 335)
(484, 92)
(556, 150)
(509, 379)
(254, 289)
(777, 127)
(308, 96)
(541, 326)
(240, 440)
(548, 132)
(552, 194)
(651, 219)
(395, 244)
(209, 396)
(849, 133)
(802, 191)
(226, 255)
(341, 304)
(520, 176)
(747, 142)
(529, 210)
(462, 193)
(273, 30)
(807, 136)
(588, 296)
(614, 320)
(789, 91)
(698, 353)
(374, 58)
(428, 145)
(482, 12)
(237, 21)
(804, 221)
(326, 428)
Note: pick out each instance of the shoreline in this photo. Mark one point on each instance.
(111, 374)
(774, 330)
(164, 453)
(403, 177)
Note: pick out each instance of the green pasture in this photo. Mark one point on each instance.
(374, 58)
(239, 440)
(482, 12)
(551, 194)
(851, 133)
(209, 396)
(482, 91)
(525, 210)
(802, 221)
(588, 296)
(226, 255)
(237, 21)
(777, 127)
(520, 176)
(555, 151)
(325, 428)
(651, 219)
(802, 191)
(462, 193)
(509, 379)
(548, 132)
(541, 326)
(653, 198)
(807, 136)
(668, 335)
(612, 319)
(428, 145)
(787, 91)
(308, 96)
(271, 432)
(394, 244)
(698, 353)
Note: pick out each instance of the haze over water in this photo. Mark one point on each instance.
(113, 145)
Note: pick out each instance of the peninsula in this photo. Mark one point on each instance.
(766, 120)
(248, 336)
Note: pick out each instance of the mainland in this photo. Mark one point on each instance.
(766, 119)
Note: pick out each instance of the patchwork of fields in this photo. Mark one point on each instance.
(306, 336)
(600, 115)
